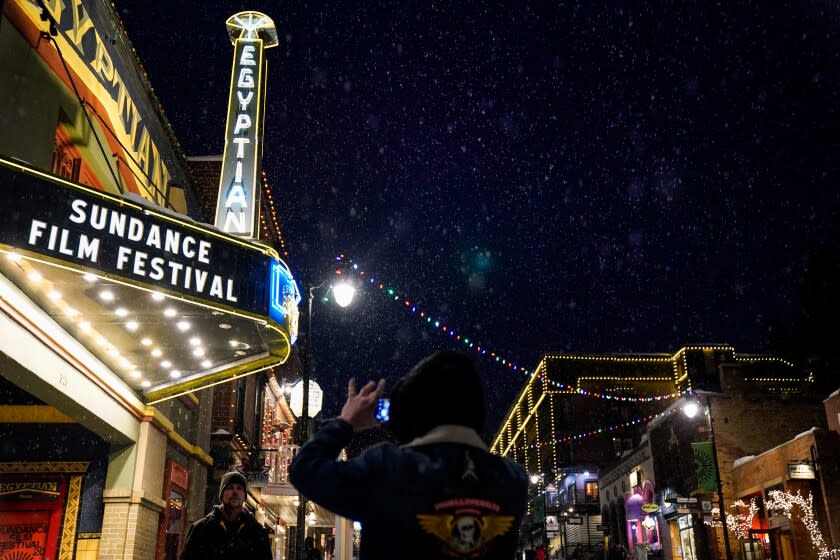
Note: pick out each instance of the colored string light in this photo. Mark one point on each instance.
(596, 432)
(446, 329)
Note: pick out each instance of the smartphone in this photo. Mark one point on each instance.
(383, 406)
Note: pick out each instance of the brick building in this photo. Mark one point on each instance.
(808, 464)
(582, 413)
(757, 404)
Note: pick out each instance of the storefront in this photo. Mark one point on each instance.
(635, 514)
(117, 306)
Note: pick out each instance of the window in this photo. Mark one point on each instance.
(687, 545)
(591, 490)
(171, 526)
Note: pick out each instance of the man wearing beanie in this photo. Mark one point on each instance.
(441, 493)
(229, 531)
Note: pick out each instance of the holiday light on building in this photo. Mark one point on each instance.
(739, 523)
(597, 432)
(784, 503)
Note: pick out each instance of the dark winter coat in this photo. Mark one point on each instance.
(440, 496)
(215, 538)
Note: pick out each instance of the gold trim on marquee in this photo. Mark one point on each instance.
(71, 515)
(45, 467)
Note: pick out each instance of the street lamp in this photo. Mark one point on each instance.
(343, 293)
(690, 409)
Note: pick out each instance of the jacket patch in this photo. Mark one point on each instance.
(466, 527)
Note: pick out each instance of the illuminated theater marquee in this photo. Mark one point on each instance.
(237, 208)
(89, 230)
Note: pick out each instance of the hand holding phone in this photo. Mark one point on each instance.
(359, 408)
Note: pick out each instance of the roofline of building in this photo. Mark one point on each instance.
(211, 157)
(750, 458)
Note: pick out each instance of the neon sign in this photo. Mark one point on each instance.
(238, 205)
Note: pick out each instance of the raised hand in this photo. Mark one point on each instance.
(360, 408)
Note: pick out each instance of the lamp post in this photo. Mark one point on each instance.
(691, 409)
(343, 293)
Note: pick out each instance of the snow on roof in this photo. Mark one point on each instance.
(742, 460)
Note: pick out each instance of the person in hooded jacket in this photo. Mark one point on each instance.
(229, 531)
(441, 493)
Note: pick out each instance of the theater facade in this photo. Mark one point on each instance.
(119, 305)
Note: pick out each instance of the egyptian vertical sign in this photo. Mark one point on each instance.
(237, 210)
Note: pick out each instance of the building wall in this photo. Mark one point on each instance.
(832, 411)
(744, 426)
(770, 468)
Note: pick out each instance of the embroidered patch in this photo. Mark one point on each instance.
(466, 527)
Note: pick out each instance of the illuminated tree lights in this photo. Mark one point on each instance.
(739, 523)
(784, 502)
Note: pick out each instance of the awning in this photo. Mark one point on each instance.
(168, 304)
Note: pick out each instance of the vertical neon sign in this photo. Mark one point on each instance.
(237, 210)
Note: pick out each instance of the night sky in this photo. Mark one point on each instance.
(541, 176)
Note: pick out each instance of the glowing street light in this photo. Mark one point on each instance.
(691, 409)
(343, 293)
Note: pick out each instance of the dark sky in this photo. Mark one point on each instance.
(546, 176)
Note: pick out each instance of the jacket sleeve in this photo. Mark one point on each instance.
(192, 544)
(342, 487)
(264, 546)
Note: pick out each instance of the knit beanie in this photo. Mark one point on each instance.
(444, 388)
(230, 478)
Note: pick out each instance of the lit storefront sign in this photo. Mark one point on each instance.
(316, 398)
(801, 471)
(237, 208)
(117, 237)
(186, 306)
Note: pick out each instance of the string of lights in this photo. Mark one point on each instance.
(595, 432)
(274, 221)
(739, 523)
(784, 502)
(445, 329)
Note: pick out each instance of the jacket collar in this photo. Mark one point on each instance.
(449, 433)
